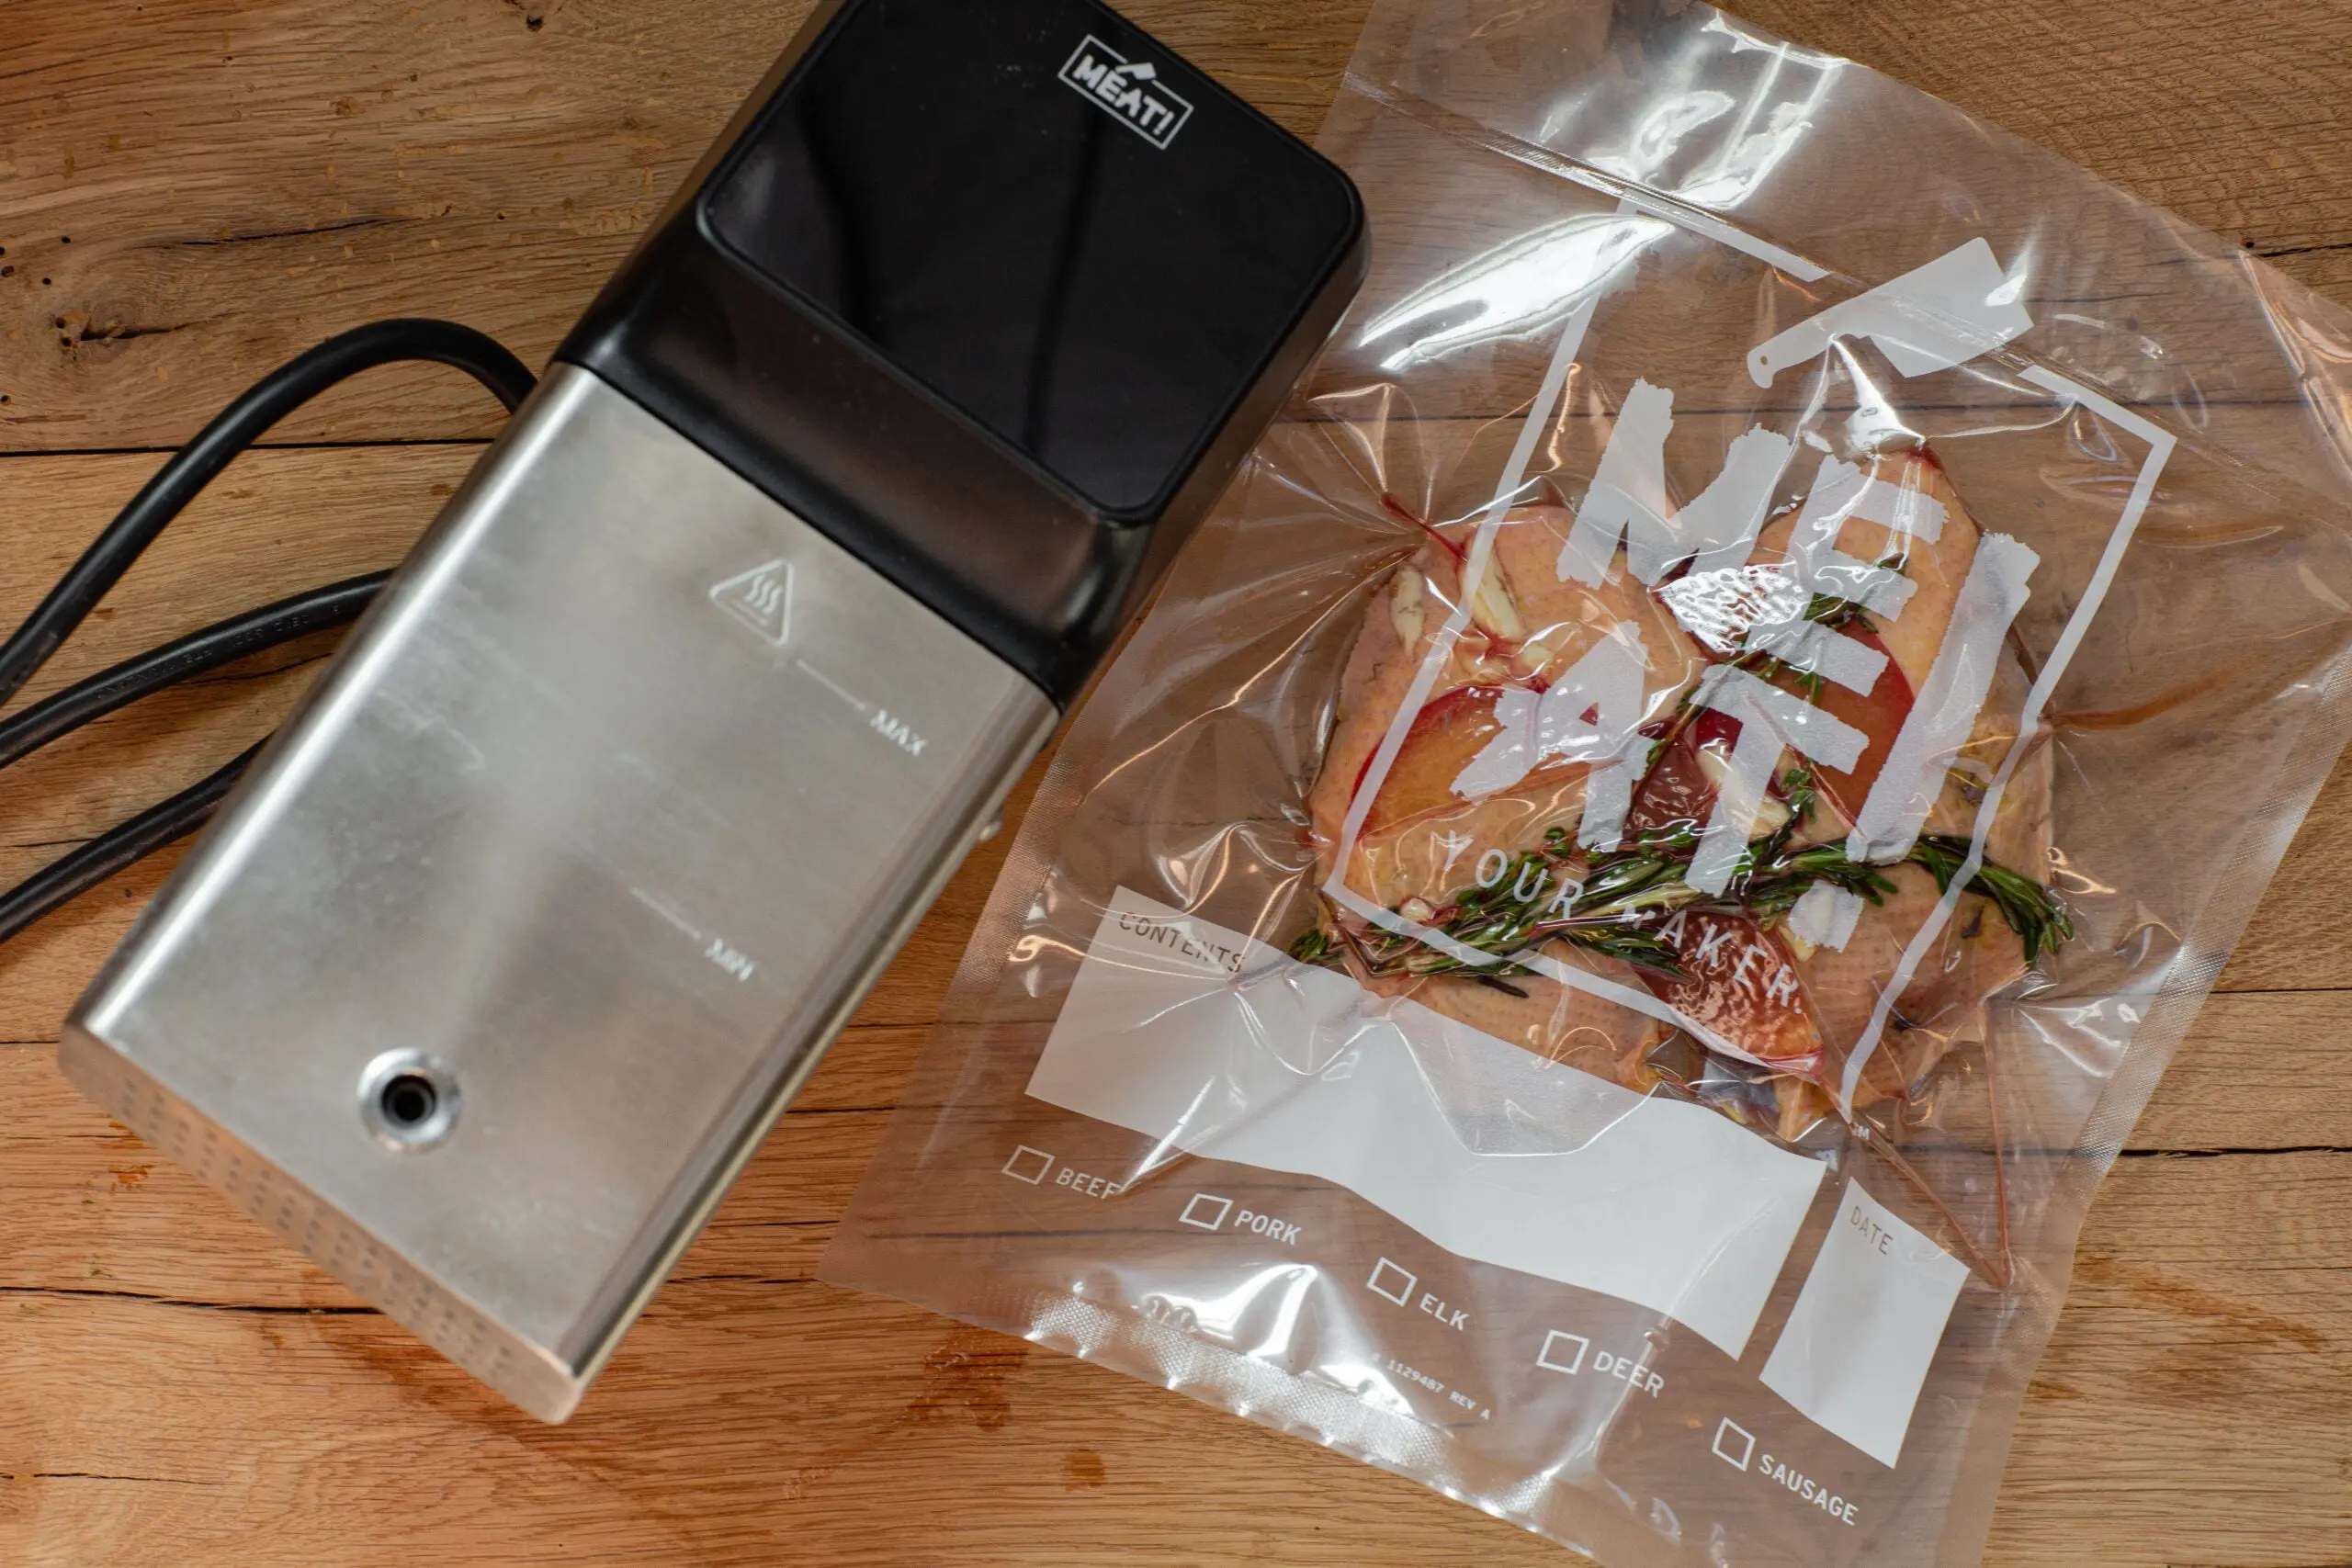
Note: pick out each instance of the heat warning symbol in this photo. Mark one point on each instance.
(761, 599)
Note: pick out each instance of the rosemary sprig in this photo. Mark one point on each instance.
(1638, 948)
(1315, 946)
(1623, 899)
(1825, 610)
(1771, 893)
(2032, 910)
(1799, 791)
(1833, 612)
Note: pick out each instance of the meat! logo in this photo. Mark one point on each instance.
(1129, 91)
(1939, 317)
(1671, 686)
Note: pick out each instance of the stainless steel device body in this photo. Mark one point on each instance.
(484, 984)
(687, 770)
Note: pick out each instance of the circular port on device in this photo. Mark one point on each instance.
(408, 1099)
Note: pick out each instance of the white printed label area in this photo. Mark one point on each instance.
(1217, 1044)
(1866, 1324)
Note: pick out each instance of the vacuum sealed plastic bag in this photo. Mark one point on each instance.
(1596, 944)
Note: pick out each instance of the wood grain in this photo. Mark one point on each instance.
(200, 190)
(754, 1408)
(208, 185)
(89, 1202)
(2226, 124)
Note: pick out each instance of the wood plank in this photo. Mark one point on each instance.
(405, 175)
(2301, 937)
(2191, 1408)
(2217, 123)
(806, 1449)
(2203, 1358)
(205, 158)
(222, 185)
(91, 1206)
(2263, 1070)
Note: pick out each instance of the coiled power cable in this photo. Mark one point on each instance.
(162, 498)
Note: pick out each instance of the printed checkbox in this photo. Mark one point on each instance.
(1206, 1210)
(1731, 1430)
(1383, 1282)
(1032, 1166)
(1554, 1355)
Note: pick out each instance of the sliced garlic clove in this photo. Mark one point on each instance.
(1494, 609)
(1405, 606)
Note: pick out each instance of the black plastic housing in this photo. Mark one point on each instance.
(998, 294)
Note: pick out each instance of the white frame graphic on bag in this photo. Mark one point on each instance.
(1938, 317)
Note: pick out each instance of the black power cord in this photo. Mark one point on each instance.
(135, 527)
(26, 732)
(68, 878)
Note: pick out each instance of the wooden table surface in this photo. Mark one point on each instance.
(193, 190)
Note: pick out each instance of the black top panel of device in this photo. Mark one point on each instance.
(997, 292)
(1060, 233)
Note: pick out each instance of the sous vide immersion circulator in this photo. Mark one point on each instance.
(496, 968)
